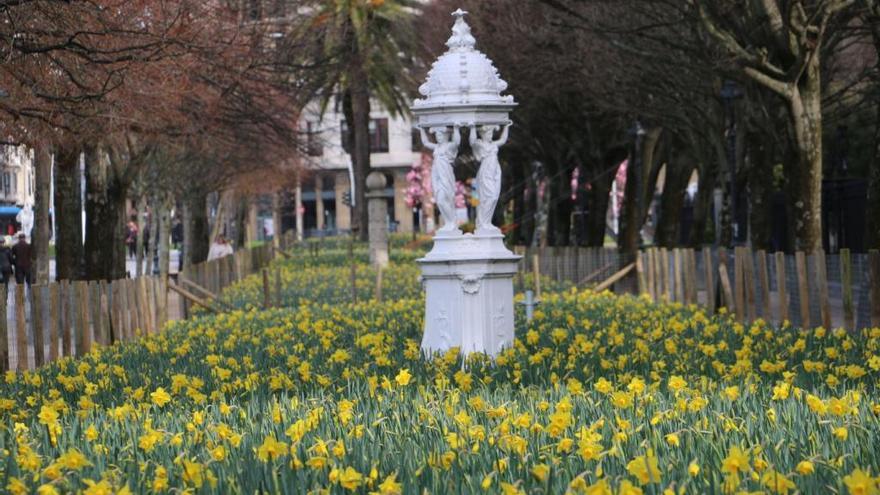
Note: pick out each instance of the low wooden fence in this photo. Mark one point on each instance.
(41, 323)
(211, 277)
(808, 290)
(840, 290)
(581, 266)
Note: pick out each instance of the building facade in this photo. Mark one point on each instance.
(394, 146)
(16, 185)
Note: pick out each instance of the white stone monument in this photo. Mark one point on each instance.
(468, 277)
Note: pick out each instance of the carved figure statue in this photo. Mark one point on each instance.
(26, 218)
(489, 174)
(442, 174)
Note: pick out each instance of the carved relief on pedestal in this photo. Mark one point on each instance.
(470, 284)
(443, 327)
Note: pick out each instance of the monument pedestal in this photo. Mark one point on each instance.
(469, 302)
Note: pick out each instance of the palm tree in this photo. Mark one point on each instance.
(366, 45)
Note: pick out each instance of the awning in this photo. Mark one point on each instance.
(9, 210)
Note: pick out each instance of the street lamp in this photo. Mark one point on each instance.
(730, 92)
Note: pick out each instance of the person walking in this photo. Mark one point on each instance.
(21, 258)
(5, 262)
(131, 235)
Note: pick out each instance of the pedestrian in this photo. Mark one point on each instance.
(131, 235)
(219, 248)
(21, 259)
(5, 262)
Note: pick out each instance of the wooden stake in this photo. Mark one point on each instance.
(709, 269)
(780, 287)
(724, 278)
(749, 283)
(822, 281)
(803, 290)
(614, 278)
(54, 316)
(84, 345)
(874, 278)
(21, 342)
(764, 279)
(536, 271)
(37, 305)
(192, 297)
(4, 330)
(849, 317)
(679, 275)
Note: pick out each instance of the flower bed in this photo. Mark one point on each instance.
(600, 394)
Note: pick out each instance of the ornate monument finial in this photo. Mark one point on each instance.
(461, 33)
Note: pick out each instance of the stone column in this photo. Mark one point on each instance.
(402, 212)
(343, 211)
(319, 201)
(377, 209)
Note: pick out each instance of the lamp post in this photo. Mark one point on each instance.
(730, 92)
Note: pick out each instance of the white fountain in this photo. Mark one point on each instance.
(468, 277)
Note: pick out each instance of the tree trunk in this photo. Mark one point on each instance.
(241, 221)
(760, 188)
(559, 206)
(152, 244)
(164, 239)
(518, 188)
(42, 228)
(105, 208)
(806, 113)
(68, 215)
(196, 230)
(702, 208)
(678, 173)
(873, 213)
(597, 207)
(142, 222)
(358, 115)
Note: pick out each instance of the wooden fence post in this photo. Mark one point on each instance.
(874, 269)
(749, 283)
(54, 319)
(739, 285)
(803, 290)
(277, 286)
(267, 299)
(849, 318)
(679, 279)
(84, 345)
(136, 324)
(822, 280)
(724, 279)
(780, 287)
(690, 276)
(21, 342)
(536, 271)
(709, 269)
(666, 269)
(764, 279)
(37, 323)
(4, 335)
(640, 273)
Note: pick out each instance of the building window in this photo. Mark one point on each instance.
(7, 183)
(313, 139)
(14, 183)
(378, 136)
